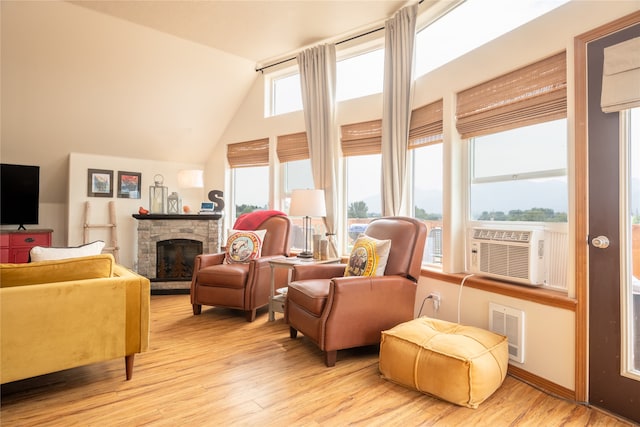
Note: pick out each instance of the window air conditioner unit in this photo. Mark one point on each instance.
(513, 255)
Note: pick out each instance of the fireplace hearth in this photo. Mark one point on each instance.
(168, 244)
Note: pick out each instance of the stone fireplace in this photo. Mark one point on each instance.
(167, 245)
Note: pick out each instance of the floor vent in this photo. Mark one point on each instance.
(510, 322)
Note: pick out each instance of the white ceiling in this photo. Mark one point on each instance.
(260, 31)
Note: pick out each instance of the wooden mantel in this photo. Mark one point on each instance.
(201, 217)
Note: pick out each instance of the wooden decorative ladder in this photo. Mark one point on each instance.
(112, 226)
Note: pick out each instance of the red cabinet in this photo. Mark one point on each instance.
(15, 245)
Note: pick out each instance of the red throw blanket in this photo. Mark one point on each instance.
(251, 220)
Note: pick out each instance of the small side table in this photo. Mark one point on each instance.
(276, 299)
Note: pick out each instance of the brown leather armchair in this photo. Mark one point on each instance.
(337, 312)
(241, 286)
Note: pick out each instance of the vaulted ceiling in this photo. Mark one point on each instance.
(156, 80)
(255, 30)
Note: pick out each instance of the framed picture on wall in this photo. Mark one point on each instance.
(129, 185)
(100, 183)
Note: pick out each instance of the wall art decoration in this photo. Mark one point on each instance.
(100, 183)
(129, 184)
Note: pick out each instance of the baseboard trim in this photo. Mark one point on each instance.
(542, 383)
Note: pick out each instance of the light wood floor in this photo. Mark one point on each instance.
(218, 369)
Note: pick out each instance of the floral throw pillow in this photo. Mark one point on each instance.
(244, 245)
(368, 257)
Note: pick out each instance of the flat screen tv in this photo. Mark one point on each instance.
(19, 194)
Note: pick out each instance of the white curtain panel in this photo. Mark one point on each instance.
(318, 82)
(621, 76)
(396, 106)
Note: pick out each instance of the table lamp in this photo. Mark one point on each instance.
(307, 203)
(189, 179)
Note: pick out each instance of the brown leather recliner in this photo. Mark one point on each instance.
(338, 312)
(241, 286)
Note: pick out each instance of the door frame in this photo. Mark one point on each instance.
(581, 191)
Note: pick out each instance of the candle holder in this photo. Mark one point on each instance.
(174, 203)
(158, 194)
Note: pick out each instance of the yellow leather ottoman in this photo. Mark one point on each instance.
(460, 364)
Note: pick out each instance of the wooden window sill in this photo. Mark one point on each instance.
(542, 296)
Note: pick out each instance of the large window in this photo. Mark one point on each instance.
(286, 95)
(360, 75)
(425, 143)
(361, 147)
(472, 24)
(632, 288)
(634, 132)
(297, 174)
(363, 175)
(517, 127)
(520, 174)
(293, 155)
(249, 162)
(295, 169)
(356, 76)
(519, 180)
(427, 197)
(250, 189)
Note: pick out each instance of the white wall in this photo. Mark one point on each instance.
(76, 80)
(125, 208)
(550, 331)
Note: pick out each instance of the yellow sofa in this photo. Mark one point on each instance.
(66, 313)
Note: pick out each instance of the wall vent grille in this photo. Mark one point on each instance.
(509, 322)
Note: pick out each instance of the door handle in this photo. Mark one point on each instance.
(600, 242)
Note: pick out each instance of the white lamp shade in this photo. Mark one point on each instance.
(307, 203)
(190, 178)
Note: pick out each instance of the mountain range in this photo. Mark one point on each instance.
(523, 195)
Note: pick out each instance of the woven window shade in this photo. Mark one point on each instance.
(425, 127)
(363, 138)
(621, 76)
(533, 94)
(292, 147)
(249, 153)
